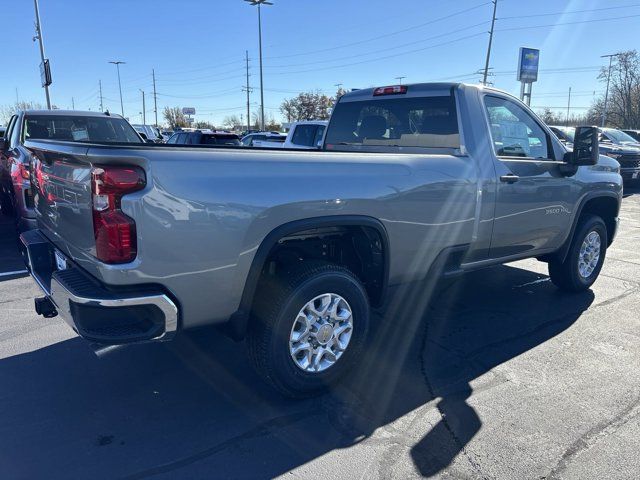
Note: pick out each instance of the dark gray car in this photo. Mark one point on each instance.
(72, 126)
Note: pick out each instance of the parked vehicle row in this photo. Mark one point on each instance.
(613, 143)
(291, 249)
(16, 193)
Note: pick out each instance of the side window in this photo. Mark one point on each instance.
(319, 135)
(172, 139)
(304, 135)
(14, 135)
(181, 138)
(515, 132)
(246, 141)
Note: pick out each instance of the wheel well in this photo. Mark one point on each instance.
(607, 209)
(359, 248)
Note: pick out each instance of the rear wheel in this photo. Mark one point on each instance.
(308, 328)
(585, 257)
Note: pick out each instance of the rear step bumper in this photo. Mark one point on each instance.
(96, 313)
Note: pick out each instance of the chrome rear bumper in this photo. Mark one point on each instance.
(96, 312)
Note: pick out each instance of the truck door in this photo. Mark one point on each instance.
(534, 200)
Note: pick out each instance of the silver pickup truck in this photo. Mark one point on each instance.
(291, 249)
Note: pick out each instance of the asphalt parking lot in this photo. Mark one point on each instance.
(499, 376)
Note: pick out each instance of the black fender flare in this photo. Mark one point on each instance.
(237, 325)
(563, 251)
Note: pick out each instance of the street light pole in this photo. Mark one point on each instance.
(144, 109)
(42, 55)
(117, 63)
(259, 3)
(606, 95)
(400, 79)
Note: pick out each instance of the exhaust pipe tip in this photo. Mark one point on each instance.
(45, 307)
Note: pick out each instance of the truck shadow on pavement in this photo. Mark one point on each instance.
(193, 408)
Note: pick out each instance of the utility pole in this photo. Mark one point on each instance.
(17, 97)
(259, 3)
(117, 63)
(400, 79)
(247, 88)
(155, 96)
(606, 95)
(45, 62)
(73, 104)
(493, 22)
(144, 110)
(100, 88)
(568, 107)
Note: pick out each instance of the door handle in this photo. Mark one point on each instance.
(510, 178)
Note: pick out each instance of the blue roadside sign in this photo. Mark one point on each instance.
(528, 62)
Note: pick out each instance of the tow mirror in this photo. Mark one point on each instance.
(586, 149)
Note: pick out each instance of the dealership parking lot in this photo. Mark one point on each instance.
(502, 377)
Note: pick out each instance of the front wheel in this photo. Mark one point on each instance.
(585, 257)
(308, 328)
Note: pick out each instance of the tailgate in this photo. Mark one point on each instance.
(62, 195)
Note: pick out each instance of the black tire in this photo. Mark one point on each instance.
(566, 275)
(275, 310)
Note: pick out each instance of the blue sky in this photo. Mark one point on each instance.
(197, 48)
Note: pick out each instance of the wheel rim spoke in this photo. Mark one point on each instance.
(589, 255)
(321, 333)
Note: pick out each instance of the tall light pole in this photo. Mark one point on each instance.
(606, 95)
(117, 63)
(400, 79)
(144, 109)
(44, 66)
(493, 22)
(259, 3)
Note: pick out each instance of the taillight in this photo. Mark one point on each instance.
(115, 232)
(24, 170)
(393, 90)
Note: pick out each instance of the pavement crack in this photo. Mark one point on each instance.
(593, 436)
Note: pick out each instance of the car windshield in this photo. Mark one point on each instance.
(618, 136)
(429, 122)
(74, 128)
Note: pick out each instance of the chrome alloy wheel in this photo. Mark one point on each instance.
(321, 333)
(589, 254)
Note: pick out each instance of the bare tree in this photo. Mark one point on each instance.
(6, 111)
(233, 122)
(623, 106)
(174, 117)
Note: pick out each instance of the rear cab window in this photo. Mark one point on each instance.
(395, 123)
(304, 135)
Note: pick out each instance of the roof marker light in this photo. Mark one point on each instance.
(392, 90)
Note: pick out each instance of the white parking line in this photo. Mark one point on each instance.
(17, 272)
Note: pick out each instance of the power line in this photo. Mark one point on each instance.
(408, 52)
(566, 23)
(570, 12)
(386, 35)
(378, 51)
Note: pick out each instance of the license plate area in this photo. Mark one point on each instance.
(61, 261)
